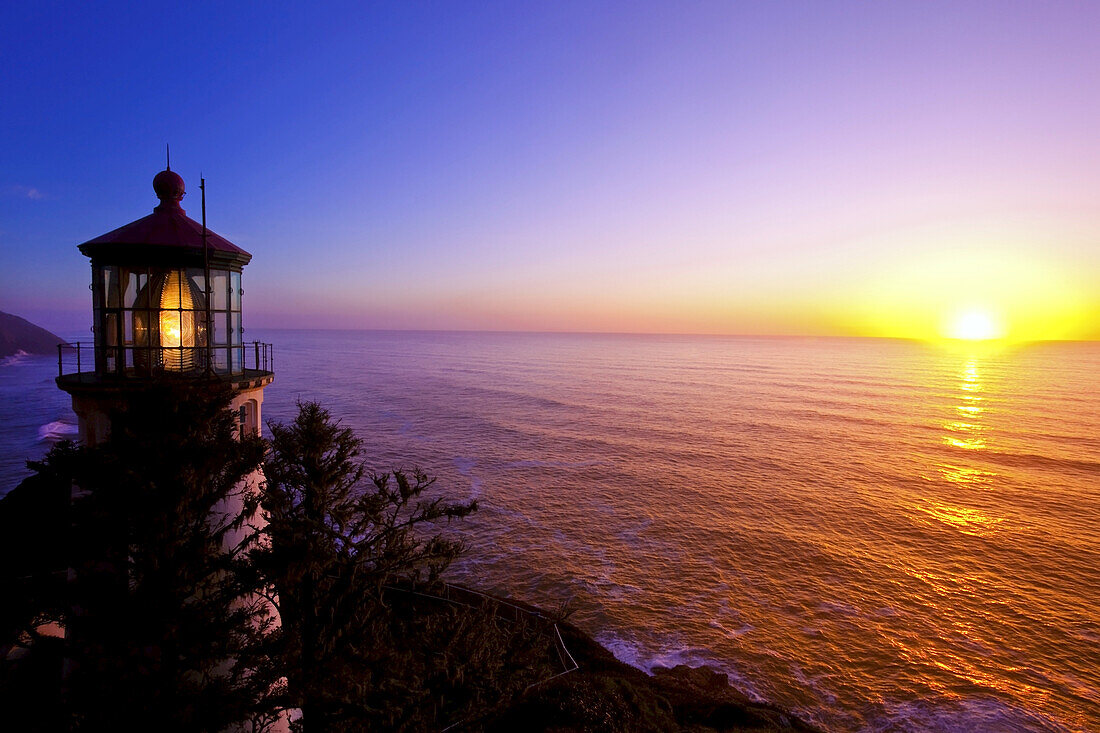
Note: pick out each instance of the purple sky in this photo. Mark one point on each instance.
(690, 167)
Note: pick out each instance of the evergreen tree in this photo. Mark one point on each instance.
(336, 541)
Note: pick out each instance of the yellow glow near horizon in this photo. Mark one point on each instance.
(974, 325)
(1035, 282)
(988, 283)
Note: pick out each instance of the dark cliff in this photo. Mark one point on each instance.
(18, 334)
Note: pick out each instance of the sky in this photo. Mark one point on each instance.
(876, 169)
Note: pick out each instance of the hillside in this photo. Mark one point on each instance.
(18, 334)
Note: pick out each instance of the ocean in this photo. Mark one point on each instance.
(877, 535)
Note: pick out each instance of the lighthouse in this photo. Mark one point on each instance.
(166, 306)
(166, 298)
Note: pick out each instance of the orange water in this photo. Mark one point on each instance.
(879, 535)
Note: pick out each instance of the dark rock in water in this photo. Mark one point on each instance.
(704, 700)
(18, 334)
(606, 695)
(701, 677)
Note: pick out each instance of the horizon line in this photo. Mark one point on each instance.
(776, 336)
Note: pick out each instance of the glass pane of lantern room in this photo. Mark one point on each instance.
(218, 321)
(235, 291)
(197, 280)
(144, 357)
(237, 355)
(109, 340)
(219, 289)
(170, 329)
(236, 334)
(129, 287)
(142, 328)
(110, 286)
(110, 328)
(141, 280)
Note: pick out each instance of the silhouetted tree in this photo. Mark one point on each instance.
(336, 541)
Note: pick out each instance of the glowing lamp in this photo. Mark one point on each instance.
(177, 324)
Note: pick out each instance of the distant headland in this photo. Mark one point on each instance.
(18, 334)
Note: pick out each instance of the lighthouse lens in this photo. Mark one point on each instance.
(177, 324)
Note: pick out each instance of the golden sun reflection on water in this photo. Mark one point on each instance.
(964, 475)
(967, 521)
(963, 429)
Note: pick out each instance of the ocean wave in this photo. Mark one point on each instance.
(532, 463)
(57, 430)
(842, 609)
(465, 466)
(730, 632)
(17, 358)
(1029, 460)
(630, 651)
(963, 716)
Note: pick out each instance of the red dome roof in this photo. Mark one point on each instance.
(168, 231)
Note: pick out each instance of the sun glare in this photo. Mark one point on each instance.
(974, 325)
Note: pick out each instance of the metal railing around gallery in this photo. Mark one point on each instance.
(78, 361)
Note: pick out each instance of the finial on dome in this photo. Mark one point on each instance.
(168, 186)
(167, 157)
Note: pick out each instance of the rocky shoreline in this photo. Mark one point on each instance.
(605, 694)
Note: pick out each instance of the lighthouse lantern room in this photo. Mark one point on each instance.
(166, 298)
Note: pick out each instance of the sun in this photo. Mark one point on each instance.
(974, 325)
